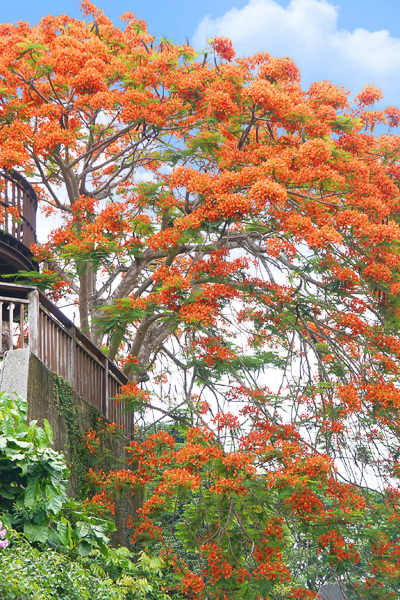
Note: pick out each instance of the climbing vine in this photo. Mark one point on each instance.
(91, 439)
(67, 406)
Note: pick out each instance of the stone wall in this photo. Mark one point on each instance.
(24, 373)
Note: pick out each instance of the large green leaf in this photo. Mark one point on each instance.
(54, 499)
(84, 548)
(41, 438)
(36, 533)
(65, 532)
(32, 491)
(82, 529)
(49, 432)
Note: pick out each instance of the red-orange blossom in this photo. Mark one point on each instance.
(224, 222)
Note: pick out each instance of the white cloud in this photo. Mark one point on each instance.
(307, 30)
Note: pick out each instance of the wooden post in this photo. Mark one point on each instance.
(6, 204)
(13, 222)
(1, 328)
(33, 320)
(11, 325)
(21, 325)
(71, 358)
(105, 402)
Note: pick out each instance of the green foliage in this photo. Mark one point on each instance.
(79, 531)
(33, 487)
(33, 477)
(81, 459)
(58, 549)
(30, 574)
(143, 578)
(65, 398)
(43, 281)
(27, 574)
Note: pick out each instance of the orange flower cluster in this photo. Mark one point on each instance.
(257, 225)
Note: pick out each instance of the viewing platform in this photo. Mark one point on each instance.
(18, 207)
(31, 321)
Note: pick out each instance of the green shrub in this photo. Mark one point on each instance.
(57, 548)
(27, 574)
(33, 486)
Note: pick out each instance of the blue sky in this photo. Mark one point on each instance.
(350, 42)
(178, 18)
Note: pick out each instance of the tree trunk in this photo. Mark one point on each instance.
(86, 284)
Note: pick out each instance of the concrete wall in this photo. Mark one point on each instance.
(24, 373)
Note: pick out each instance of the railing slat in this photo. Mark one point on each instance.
(10, 324)
(1, 327)
(21, 325)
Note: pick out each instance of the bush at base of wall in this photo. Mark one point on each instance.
(27, 574)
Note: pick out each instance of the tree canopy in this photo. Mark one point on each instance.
(232, 240)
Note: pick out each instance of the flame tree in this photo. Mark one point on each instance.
(241, 235)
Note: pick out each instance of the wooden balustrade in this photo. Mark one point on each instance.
(63, 348)
(18, 205)
(54, 339)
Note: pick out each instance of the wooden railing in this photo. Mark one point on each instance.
(18, 205)
(62, 347)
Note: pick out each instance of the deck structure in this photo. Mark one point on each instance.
(18, 207)
(30, 319)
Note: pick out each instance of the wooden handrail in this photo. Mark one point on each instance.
(23, 183)
(56, 312)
